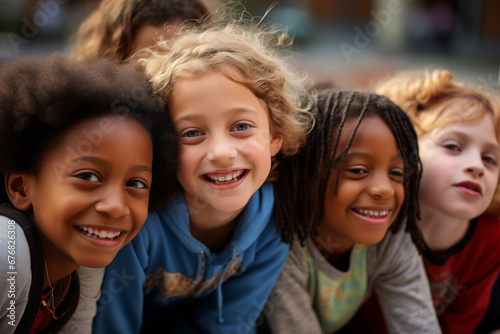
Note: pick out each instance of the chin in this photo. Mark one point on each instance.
(371, 240)
(98, 262)
(231, 205)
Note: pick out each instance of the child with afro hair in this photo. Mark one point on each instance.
(78, 141)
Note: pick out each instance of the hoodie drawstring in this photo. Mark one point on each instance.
(219, 288)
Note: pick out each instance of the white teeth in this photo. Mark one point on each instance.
(371, 213)
(227, 178)
(94, 233)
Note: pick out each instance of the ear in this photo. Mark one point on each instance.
(276, 142)
(16, 186)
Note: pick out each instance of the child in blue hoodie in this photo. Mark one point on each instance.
(209, 260)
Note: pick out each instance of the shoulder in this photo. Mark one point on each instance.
(488, 223)
(394, 252)
(393, 244)
(296, 265)
(15, 243)
(16, 267)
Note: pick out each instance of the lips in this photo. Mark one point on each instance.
(471, 186)
(375, 216)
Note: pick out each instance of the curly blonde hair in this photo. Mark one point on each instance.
(246, 53)
(109, 30)
(433, 99)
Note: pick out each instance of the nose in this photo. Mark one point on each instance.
(113, 203)
(381, 186)
(221, 149)
(474, 165)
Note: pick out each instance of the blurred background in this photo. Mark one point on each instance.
(350, 42)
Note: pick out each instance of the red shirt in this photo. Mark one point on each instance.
(461, 282)
(43, 317)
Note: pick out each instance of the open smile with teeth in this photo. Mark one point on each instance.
(225, 178)
(372, 213)
(101, 234)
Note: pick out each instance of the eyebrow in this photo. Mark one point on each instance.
(88, 158)
(491, 145)
(367, 155)
(195, 116)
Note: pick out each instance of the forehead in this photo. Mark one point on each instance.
(483, 125)
(370, 126)
(92, 135)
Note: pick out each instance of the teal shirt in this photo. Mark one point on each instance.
(335, 301)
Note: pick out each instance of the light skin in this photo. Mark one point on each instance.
(370, 191)
(460, 174)
(89, 197)
(147, 35)
(226, 146)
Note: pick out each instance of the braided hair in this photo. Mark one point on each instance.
(303, 178)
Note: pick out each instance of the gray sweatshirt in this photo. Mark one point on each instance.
(392, 267)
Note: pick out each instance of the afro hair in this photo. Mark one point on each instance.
(41, 97)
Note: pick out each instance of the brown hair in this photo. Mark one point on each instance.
(109, 30)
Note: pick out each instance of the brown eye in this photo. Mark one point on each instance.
(87, 176)
(136, 184)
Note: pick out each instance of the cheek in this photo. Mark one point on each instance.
(492, 182)
(255, 148)
(399, 192)
(188, 158)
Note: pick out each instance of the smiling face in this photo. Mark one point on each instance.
(90, 196)
(370, 188)
(225, 144)
(460, 169)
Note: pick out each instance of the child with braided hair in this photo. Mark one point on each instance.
(459, 133)
(349, 201)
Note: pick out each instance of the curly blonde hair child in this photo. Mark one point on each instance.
(246, 54)
(237, 107)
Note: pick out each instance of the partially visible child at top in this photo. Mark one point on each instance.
(349, 202)
(77, 165)
(117, 29)
(459, 130)
(208, 261)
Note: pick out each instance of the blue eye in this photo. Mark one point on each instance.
(136, 184)
(452, 147)
(241, 127)
(191, 133)
(87, 176)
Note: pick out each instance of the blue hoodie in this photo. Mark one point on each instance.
(167, 280)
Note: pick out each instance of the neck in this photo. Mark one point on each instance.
(441, 231)
(57, 268)
(335, 250)
(213, 228)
